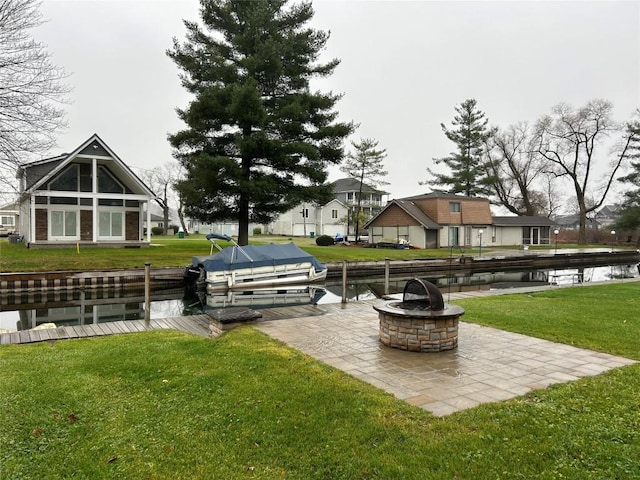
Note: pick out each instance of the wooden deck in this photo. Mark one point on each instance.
(195, 324)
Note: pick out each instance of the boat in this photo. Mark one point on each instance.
(254, 266)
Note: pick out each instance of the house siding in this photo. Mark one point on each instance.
(42, 232)
(132, 228)
(393, 216)
(86, 225)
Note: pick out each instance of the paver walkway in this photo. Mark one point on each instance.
(489, 365)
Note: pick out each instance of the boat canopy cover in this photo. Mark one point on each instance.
(231, 258)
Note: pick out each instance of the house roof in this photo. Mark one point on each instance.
(524, 221)
(40, 172)
(411, 209)
(573, 220)
(444, 195)
(351, 184)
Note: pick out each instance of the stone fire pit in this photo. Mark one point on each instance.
(420, 322)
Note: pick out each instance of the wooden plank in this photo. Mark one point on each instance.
(5, 338)
(160, 324)
(181, 325)
(24, 336)
(132, 326)
(69, 332)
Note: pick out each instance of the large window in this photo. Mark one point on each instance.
(453, 236)
(64, 224)
(6, 221)
(454, 207)
(110, 225)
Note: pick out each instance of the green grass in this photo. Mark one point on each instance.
(604, 318)
(167, 405)
(174, 252)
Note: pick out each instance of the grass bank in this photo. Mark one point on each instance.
(169, 405)
(175, 252)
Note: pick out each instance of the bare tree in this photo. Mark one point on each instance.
(570, 140)
(160, 181)
(365, 164)
(31, 90)
(515, 170)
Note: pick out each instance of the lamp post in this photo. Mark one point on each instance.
(480, 235)
(613, 237)
(556, 232)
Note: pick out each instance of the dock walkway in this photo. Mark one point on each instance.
(195, 324)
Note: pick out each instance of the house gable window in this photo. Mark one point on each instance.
(334, 213)
(454, 207)
(107, 182)
(67, 181)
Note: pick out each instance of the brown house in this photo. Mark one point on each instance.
(439, 219)
(87, 197)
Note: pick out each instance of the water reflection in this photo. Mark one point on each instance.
(95, 306)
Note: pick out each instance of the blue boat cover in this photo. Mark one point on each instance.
(231, 258)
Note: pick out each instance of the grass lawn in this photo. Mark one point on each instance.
(167, 405)
(175, 252)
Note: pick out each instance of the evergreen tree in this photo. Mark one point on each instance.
(630, 214)
(633, 178)
(468, 174)
(258, 141)
(365, 164)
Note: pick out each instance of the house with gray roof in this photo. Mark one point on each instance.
(86, 197)
(439, 219)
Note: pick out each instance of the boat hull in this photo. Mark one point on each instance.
(248, 278)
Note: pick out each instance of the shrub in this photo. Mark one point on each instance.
(257, 231)
(157, 230)
(324, 241)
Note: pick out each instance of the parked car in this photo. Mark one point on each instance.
(5, 231)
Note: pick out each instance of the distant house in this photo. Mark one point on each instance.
(308, 218)
(346, 190)
(608, 215)
(521, 231)
(9, 215)
(572, 222)
(157, 221)
(439, 219)
(88, 196)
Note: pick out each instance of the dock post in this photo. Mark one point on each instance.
(147, 291)
(344, 282)
(386, 275)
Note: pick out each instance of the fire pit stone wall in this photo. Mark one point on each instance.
(419, 331)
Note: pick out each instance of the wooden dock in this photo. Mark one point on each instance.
(194, 324)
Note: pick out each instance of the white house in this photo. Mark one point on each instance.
(309, 219)
(88, 196)
(9, 219)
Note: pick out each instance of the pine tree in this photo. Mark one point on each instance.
(365, 164)
(630, 214)
(258, 140)
(468, 175)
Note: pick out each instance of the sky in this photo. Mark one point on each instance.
(404, 67)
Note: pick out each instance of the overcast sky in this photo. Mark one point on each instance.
(404, 67)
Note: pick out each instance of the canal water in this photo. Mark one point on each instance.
(86, 307)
